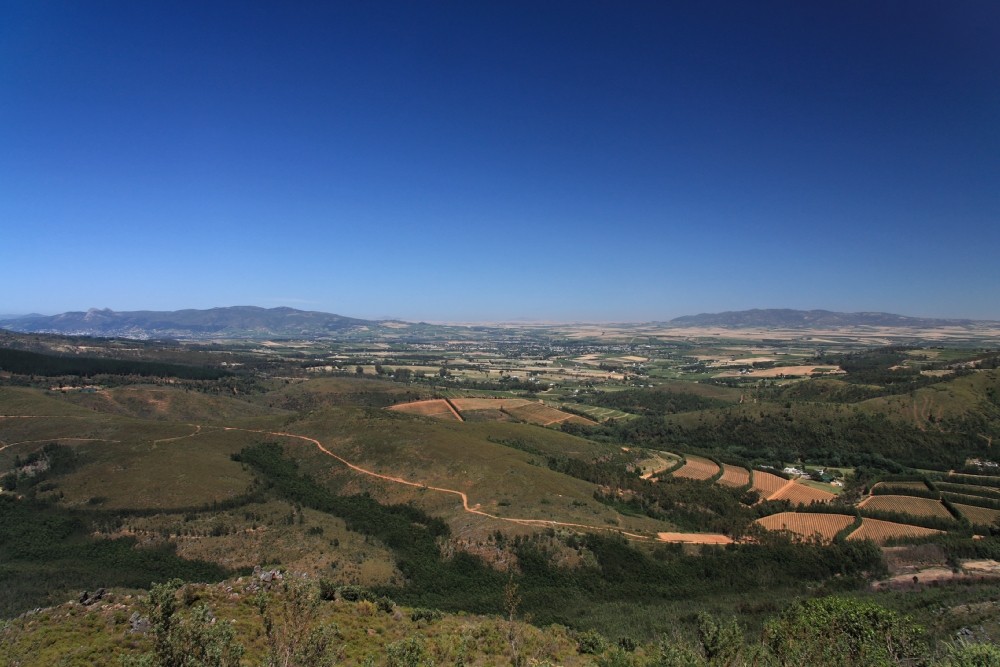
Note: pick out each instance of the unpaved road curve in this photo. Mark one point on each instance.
(471, 509)
(465, 499)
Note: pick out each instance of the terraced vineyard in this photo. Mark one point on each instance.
(921, 486)
(800, 494)
(734, 476)
(767, 484)
(923, 507)
(806, 524)
(697, 467)
(980, 516)
(882, 531)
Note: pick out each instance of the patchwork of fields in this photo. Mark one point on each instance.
(519, 409)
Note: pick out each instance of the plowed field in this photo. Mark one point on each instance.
(983, 516)
(734, 476)
(906, 505)
(537, 413)
(437, 408)
(697, 467)
(806, 524)
(465, 404)
(767, 484)
(881, 531)
(800, 494)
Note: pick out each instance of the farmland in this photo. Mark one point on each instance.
(882, 531)
(734, 476)
(767, 484)
(519, 409)
(470, 437)
(922, 507)
(800, 494)
(697, 467)
(980, 516)
(807, 525)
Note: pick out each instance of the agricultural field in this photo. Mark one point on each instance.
(602, 414)
(801, 494)
(980, 516)
(437, 408)
(807, 525)
(472, 404)
(882, 531)
(156, 463)
(491, 409)
(697, 467)
(543, 415)
(920, 486)
(767, 484)
(734, 476)
(923, 507)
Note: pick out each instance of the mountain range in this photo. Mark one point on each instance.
(252, 322)
(230, 322)
(811, 319)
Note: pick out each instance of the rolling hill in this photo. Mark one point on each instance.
(230, 322)
(808, 319)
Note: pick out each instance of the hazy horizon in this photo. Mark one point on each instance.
(493, 161)
(488, 320)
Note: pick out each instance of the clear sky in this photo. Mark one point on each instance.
(456, 160)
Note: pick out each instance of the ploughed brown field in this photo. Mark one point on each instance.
(538, 413)
(532, 412)
(697, 467)
(907, 505)
(734, 476)
(807, 524)
(469, 404)
(437, 408)
(881, 531)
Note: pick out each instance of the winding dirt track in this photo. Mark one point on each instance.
(471, 509)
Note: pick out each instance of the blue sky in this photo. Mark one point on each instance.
(496, 160)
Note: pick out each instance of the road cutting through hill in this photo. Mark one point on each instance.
(471, 509)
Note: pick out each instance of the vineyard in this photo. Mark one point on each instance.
(470, 404)
(800, 494)
(543, 415)
(882, 531)
(980, 516)
(734, 476)
(922, 507)
(697, 467)
(519, 408)
(807, 525)
(767, 484)
(437, 408)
